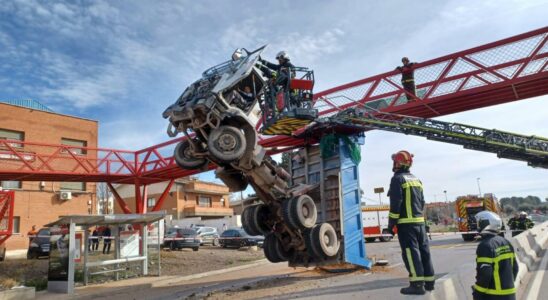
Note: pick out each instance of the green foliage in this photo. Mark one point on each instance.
(38, 283)
(529, 203)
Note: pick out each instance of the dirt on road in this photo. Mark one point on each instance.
(34, 272)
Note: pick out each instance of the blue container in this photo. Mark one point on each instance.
(338, 196)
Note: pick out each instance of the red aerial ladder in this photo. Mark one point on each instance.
(508, 70)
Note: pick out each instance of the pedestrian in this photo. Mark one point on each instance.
(224, 227)
(406, 212)
(106, 240)
(95, 239)
(32, 232)
(408, 78)
(496, 265)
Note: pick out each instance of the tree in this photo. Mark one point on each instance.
(103, 195)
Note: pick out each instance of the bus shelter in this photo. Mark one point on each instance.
(131, 235)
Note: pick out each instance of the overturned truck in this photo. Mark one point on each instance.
(299, 211)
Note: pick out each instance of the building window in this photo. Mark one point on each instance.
(204, 201)
(16, 224)
(10, 185)
(6, 134)
(73, 186)
(151, 202)
(76, 143)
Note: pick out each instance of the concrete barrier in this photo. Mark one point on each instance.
(528, 246)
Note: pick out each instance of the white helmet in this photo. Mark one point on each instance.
(283, 55)
(488, 221)
(522, 213)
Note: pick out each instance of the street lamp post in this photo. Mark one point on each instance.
(479, 187)
(445, 192)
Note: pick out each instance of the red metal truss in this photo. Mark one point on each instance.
(6, 215)
(507, 70)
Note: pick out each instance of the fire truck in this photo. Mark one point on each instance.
(6, 219)
(467, 207)
(375, 223)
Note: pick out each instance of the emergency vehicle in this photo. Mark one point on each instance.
(467, 207)
(375, 223)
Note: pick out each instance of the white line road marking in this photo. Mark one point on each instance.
(534, 288)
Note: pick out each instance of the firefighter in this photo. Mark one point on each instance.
(512, 223)
(282, 72)
(496, 265)
(406, 212)
(408, 78)
(522, 223)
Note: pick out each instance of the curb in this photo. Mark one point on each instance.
(175, 279)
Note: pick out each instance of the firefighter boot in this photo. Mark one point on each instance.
(415, 288)
(429, 285)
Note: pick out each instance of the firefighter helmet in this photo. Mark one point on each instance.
(523, 213)
(404, 59)
(488, 221)
(402, 159)
(283, 55)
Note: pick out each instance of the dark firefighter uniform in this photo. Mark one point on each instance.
(496, 268)
(406, 210)
(521, 224)
(408, 79)
(283, 72)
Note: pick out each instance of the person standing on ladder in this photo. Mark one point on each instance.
(408, 78)
(406, 212)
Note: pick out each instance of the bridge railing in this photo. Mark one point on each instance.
(24, 158)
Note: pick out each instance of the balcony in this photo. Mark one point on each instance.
(199, 211)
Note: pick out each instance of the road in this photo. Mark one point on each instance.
(277, 281)
(449, 254)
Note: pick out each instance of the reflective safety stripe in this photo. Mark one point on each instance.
(408, 209)
(411, 220)
(412, 267)
(494, 292)
(429, 278)
(496, 276)
(393, 215)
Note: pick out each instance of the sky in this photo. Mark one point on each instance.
(123, 62)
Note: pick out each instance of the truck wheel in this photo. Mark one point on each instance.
(253, 219)
(300, 212)
(273, 249)
(184, 158)
(226, 144)
(386, 238)
(247, 221)
(323, 241)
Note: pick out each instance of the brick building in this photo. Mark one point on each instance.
(40, 202)
(188, 197)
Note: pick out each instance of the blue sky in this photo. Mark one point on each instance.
(123, 62)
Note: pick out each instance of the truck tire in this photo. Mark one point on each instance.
(253, 219)
(184, 158)
(323, 241)
(300, 212)
(273, 249)
(226, 144)
(386, 238)
(247, 223)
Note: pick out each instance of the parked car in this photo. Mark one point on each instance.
(208, 235)
(239, 238)
(179, 238)
(39, 245)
